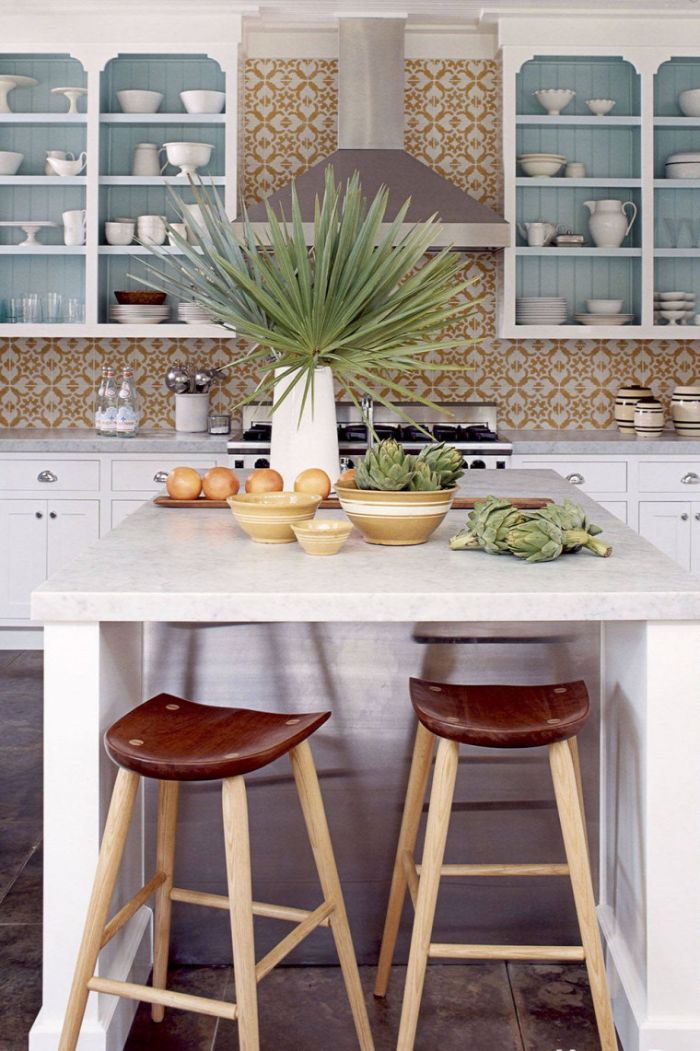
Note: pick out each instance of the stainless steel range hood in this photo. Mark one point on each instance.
(371, 141)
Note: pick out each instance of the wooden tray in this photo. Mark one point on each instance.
(460, 503)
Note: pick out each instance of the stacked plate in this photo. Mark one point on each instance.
(677, 308)
(192, 314)
(603, 319)
(541, 310)
(139, 314)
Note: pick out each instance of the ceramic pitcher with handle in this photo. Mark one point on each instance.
(609, 223)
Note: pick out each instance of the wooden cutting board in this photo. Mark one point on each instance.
(460, 503)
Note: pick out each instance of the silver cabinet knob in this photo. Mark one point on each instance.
(46, 476)
(685, 516)
(53, 514)
(160, 477)
(691, 478)
(575, 478)
(697, 516)
(38, 514)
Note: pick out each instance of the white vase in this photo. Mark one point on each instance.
(191, 412)
(311, 441)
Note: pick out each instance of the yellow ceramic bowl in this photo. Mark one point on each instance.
(268, 517)
(395, 519)
(323, 536)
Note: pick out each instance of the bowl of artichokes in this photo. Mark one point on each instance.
(396, 498)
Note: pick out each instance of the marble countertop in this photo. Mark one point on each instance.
(525, 442)
(196, 565)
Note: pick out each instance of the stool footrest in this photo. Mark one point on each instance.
(166, 997)
(132, 906)
(503, 870)
(260, 908)
(295, 937)
(447, 951)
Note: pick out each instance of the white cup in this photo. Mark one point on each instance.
(191, 412)
(151, 229)
(120, 232)
(575, 170)
(537, 234)
(178, 228)
(74, 227)
(60, 155)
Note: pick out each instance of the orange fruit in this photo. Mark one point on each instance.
(346, 477)
(184, 483)
(220, 482)
(313, 480)
(264, 480)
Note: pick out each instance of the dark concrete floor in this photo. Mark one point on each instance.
(468, 1007)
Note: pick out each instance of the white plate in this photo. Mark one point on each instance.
(603, 319)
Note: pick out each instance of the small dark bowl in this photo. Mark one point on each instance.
(140, 298)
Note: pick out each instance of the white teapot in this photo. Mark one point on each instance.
(609, 223)
(538, 233)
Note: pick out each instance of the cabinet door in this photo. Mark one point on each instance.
(22, 554)
(667, 524)
(72, 525)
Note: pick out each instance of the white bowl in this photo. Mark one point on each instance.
(600, 107)
(133, 101)
(188, 156)
(689, 102)
(540, 166)
(683, 170)
(203, 101)
(119, 233)
(554, 99)
(10, 162)
(604, 306)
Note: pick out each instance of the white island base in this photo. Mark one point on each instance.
(648, 612)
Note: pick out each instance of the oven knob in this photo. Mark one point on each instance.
(262, 462)
(240, 464)
(500, 464)
(346, 463)
(475, 464)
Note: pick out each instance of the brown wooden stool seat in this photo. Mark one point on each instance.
(491, 717)
(501, 716)
(176, 740)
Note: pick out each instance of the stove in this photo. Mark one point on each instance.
(470, 427)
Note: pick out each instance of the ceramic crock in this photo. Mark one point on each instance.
(685, 411)
(625, 401)
(648, 418)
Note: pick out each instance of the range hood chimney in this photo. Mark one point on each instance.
(371, 141)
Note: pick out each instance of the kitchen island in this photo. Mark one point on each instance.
(194, 572)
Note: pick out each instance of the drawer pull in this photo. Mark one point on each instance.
(697, 517)
(38, 514)
(46, 476)
(53, 514)
(575, 478)
(685, 516)
(160, 477)
(691, 478)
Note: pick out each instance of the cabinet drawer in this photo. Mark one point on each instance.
(670, 476)
(48, 476)
(128, 475)
(593, 476)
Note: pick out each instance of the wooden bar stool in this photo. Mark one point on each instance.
(493, 717)
(174, 740)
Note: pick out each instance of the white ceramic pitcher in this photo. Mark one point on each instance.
(609, 223)
(74, 226)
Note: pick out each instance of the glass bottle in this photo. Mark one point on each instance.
(108, 411)
(99, 399)
(127, 406)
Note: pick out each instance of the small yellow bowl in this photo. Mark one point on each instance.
(268, 518)
(323, 536)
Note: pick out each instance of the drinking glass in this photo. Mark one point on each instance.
(74, 312)
(31, 308)
(53, 308)
(15, 310)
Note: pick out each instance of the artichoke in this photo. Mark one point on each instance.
(385, 467)
(423, 480)
(577, 531)
(487, 527)
(445, 461)
(536, 540)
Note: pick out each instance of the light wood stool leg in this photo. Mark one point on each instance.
(410, 822)
(441, 795)
(236, 834)
(165, 859)
(319, 837)
(573, 748)
(572, 825)
(114, 837)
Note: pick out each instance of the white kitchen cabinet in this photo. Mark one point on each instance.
(23, 554)
(71, 526)
(592, 475)
(669, 526)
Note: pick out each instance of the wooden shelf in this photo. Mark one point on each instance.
(586, 250)
(40, 249)
(137, 250)
(43, 118)
(43, 180)
(590, 183)
(677, 122)
(574, 121)
(676, 184)
(110, 329)
(677, 253)
(163, 118)
(158, 180)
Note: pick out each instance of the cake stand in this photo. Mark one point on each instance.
(10, 81)
(72, 94)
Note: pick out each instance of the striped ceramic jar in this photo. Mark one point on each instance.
(648, 418)
(625, 401)
(685, 410)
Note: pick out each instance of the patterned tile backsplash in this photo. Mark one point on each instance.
(453, 124)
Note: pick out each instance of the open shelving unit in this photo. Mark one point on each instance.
(624, 154)
(106, 189)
